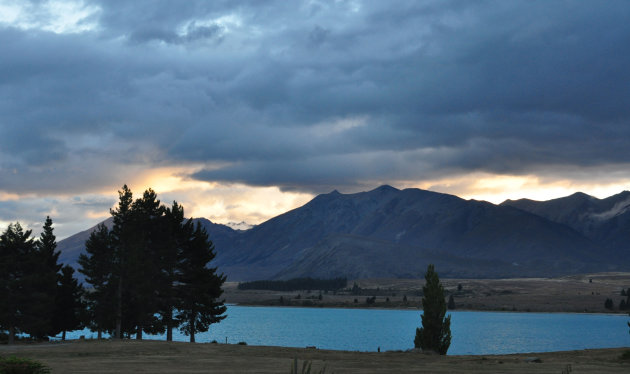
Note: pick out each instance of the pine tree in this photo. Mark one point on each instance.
(199, 287)
(97, 264)
(175, 232)
(122, 237)
(16, 256)
(69, 306)
(435, 333)
(143, 266)
(43, 280)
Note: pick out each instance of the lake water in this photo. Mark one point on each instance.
(367, 329)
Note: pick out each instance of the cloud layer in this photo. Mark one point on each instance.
(309, 95)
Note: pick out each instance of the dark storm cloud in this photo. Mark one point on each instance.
(312, 94)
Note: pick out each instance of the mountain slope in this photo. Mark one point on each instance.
(388, 232)
(336, 233)
(604, 221)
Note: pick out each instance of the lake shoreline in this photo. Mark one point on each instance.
(419, 309)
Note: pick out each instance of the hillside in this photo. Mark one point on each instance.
(395, 233)
(604, 221)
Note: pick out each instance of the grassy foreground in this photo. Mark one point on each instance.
(172, 357)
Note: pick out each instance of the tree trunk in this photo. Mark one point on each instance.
(63, 335)
(11, 335)
(192, 330)
(99, 334)
(117, 333)
(139, 333)
(169, 325)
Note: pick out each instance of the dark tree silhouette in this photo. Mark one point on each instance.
(451, 302)
(199, 287)
(16, 253)
(171, 230)
(435, 333)
(43, 275)
(69, 306)
(608, 304)
(122, 240)
(97, 264)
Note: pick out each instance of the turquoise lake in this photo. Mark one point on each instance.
(473, 333)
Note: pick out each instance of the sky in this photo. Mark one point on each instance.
(242, 110)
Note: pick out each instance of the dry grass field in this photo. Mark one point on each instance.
(162, 357)
(577, 293)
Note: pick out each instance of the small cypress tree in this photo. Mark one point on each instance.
(451, 302)
(435, 333)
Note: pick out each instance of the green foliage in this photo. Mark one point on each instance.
(306, 367)
(16, 365)
(625, 355)
(435, 333)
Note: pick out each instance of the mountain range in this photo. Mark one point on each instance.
(395, 233)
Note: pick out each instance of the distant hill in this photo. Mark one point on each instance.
(604, 221)
(388, 232)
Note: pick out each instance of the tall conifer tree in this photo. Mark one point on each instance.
(143, 266)
(435, 333)
(16, 252)
(122, 236)
(43, 281)
(69, 306)
(97, 264)
(172, 228)
(199, 287)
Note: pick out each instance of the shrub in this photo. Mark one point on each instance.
(17, 365)
(242, 343)
(625, 356)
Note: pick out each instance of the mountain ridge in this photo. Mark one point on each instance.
(387, 232)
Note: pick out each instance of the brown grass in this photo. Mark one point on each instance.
(563, 294)
(163, 357)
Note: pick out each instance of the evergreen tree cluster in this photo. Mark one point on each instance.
(149, 273)
(296, 284)
(38, 296)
